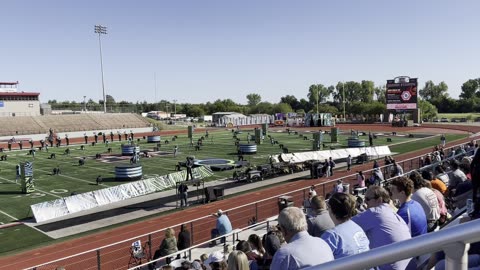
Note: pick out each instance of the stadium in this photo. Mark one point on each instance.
(100, 191)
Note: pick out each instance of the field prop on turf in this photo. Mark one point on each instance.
(317, 141)
(334, 135)
(264, 129)
(28, 185)
(258, 136)
(190, 132)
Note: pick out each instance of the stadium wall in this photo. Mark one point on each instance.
(19, 108)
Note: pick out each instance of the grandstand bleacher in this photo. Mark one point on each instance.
(21, 125)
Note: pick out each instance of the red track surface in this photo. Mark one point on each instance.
(119, 257)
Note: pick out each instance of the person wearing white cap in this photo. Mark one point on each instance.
(224, 226)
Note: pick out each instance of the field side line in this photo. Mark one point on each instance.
(413, 140)
(12, 217)
(71, 177)
(64, 162)
(46, 192)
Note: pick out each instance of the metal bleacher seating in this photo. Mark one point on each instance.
(19, 125)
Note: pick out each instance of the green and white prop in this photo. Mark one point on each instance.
(60, 207)
(27, 182)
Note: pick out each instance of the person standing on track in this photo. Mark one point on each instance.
(349, 163)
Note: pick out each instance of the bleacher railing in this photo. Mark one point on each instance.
(230, 237)
(454, 241)
(117, 255)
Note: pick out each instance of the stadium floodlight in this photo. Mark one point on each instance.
(102, 30)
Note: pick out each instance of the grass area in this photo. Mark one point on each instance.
(469, 116)
(20, 237)
(220, 144)
(81, 179)
(424, 143)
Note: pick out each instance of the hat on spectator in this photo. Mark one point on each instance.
(216, 256)
(219, 212)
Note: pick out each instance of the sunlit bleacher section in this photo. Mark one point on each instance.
(20, 125)
(117, 255)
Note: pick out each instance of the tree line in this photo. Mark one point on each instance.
(355, 97)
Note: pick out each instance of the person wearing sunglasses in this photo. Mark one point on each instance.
(382, 225)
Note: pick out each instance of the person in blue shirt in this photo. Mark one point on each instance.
(223, 226)
(409, 210)
(346, 238)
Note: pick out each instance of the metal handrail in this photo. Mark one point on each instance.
(454, 241)
(234, 233)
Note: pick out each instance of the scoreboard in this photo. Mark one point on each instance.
(401, 93)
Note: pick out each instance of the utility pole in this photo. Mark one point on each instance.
(175, 106)
(84, 104)
(344, 117)
(155, 81)
(102, 30)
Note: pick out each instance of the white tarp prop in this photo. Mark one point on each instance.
(336, 154)
(61, 207)
(134, 189)
(81, 202)
(159, 183)
(202, 172)
(108, 195)
(177, 177)
(148, 187)
(48, 210)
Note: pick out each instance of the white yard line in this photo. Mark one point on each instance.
(63, 175)
(69, 163)
(10, 216)
(46, 192)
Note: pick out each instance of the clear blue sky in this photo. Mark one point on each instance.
(206, 50)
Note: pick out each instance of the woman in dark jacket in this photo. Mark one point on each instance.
(168, 246)
(183, 239)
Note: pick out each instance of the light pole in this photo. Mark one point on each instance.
(344, 117)
(175, 107)
(84, 104)
(99, 29)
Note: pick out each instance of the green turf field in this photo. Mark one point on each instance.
(16, 206)
(74, 178)
(450, 116)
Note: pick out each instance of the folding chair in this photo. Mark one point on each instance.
(137, 253)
